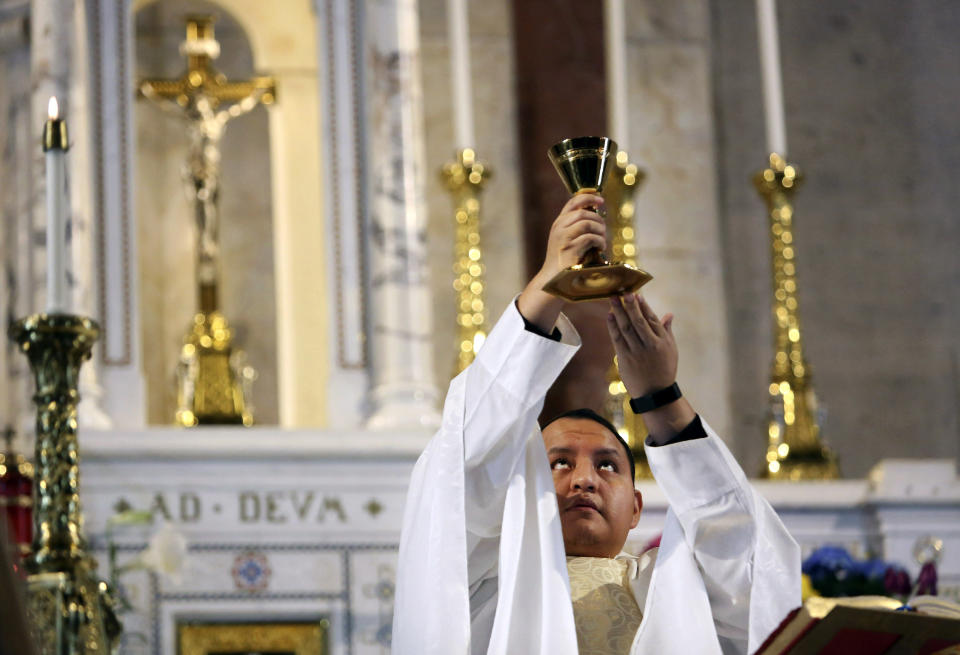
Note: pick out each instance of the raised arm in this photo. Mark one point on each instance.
(450, 547)
(503, 390)
(577, 229)
(749, 563)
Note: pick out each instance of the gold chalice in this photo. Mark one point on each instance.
(582, 164)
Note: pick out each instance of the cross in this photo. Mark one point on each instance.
(207, 101)
(202, 79)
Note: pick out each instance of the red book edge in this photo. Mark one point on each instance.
(783, 624)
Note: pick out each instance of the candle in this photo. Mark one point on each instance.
(617, 85)
(55, 148)
(460, 72)
(772, 83)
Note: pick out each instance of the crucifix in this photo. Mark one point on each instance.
(210, 389)
(207, 101)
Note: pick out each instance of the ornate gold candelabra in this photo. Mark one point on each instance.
(70, 609)
(794, 451)
(621, 188)
(465, 178)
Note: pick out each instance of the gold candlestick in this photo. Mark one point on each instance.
(465, 178)
(794, 451)
(70, 609)
(624, 181)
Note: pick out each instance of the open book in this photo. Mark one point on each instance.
(866, 625)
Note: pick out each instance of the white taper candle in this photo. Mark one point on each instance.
(772, 81)
(459, 35)
(55, 153)
(618, 121)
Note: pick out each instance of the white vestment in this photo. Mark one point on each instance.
(482, 567)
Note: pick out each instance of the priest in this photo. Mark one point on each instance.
(513, 537)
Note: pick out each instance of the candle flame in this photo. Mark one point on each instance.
(53, 109)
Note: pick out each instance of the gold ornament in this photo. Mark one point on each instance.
(465, 178)
(619, 193)
(794, 450)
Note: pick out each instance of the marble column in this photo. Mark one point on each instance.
(344, 163)
(82, 211)
(16, 229)
(402, 393)
(109, 42)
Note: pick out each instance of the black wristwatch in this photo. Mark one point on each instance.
(655, 399)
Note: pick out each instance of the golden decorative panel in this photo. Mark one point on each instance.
(250, 638)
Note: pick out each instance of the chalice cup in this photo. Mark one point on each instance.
(583, 164)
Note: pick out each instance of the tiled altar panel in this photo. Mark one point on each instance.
(353, 593)
(280, 526)
(322, 511)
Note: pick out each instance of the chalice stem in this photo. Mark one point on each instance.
(594, 257)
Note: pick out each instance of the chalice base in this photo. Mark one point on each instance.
(584, 282)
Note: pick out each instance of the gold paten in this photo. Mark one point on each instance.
(211, 388)
(465, 178)
(619, 193)
(794, 450)
(583, 164)
(70, 609)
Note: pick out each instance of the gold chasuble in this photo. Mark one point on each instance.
(604, 609)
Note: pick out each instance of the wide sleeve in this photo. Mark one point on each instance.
(749, 562)
(456, 500)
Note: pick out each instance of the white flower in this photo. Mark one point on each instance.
(166, 553)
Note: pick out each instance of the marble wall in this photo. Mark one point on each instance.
(17, 232)
(491, 34)
(871, 90)
(677, 222)
(166, 229)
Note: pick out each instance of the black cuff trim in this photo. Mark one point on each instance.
(530, 327)
(694, 430)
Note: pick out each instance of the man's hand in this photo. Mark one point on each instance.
(577, 229)
(647, 357)
(646, 349)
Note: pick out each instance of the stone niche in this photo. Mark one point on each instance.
(166, 229)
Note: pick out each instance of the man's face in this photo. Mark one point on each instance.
(595, 493)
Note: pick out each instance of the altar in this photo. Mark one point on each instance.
(293, 527)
